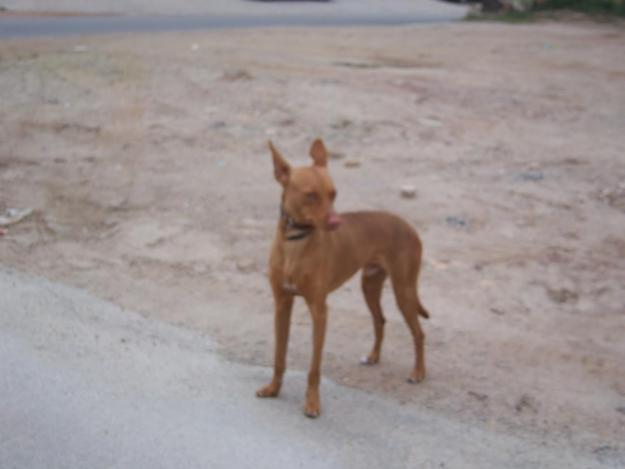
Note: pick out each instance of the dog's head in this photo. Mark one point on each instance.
(308, 192)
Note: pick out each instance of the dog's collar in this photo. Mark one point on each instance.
(304, 230)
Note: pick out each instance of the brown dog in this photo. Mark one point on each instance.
(315, 251)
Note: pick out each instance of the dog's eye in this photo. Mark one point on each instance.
(312, 197)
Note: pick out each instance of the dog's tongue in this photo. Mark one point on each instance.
(333, 221)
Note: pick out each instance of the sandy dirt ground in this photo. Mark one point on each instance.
(145, 160)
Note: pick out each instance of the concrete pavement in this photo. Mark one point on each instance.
(86, 384)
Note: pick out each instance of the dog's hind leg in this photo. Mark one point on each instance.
(373, 277)
(404, 279)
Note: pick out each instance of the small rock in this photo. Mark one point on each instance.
(526, 402)
(342, 124)
(439, 264)
(621, 410)
(497, 311)
(562, 295)
(245, 265)
(250, 223)
(614, 197)
(352, 163)
(430, 122)
(408, 191)
(456, 222)
(335, 155)
(479, 396)
(235, 75)
(531, 175)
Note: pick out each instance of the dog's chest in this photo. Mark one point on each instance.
(297, 272)
(291, 276)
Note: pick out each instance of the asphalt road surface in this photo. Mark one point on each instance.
(162, 16)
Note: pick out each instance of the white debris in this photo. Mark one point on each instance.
(11, 216)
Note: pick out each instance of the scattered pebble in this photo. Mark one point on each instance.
(245, 265)
(531, 175)
(526, 402)
(562, 295)
(439, 265)
(352, 163)
(614, 197)
(341, 124)
(408, 191)
(430, 122)
(234, 75)
(335, 155)
(479, 396)
(456, 222)
(250, 223)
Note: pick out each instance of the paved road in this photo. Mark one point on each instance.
(163, 16)
(45, 26)
(85, 384)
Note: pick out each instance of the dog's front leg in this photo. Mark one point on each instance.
(318, 311)
(282, 323)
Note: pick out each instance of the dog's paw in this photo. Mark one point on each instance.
(268, 391)
(312, 410)
(416, 377)
(369, 360)
(312, 407)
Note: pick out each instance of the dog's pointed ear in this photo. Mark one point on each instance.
(281, 169)
(319, 153)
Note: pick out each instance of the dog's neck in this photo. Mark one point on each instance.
(299, 230)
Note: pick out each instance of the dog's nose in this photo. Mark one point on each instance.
(333, 221)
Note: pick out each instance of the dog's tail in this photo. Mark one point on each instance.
(420, 309)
